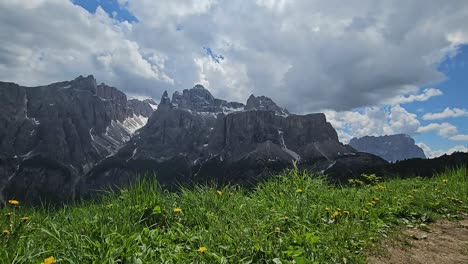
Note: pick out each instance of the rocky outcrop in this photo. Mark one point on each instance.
(264, 103)
(183, 146)
(199, 99)
(391, 148)
(66, 140)
(141, 107)
(52, 135)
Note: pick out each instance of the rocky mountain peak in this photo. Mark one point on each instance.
(389, 147)
(87, 83)
(264, 103)
(200, 99)
(165, 101)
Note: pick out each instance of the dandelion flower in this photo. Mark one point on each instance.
(327, 209)
(299, 190)
(24, 219)
(286, 219)
(219, 193)
(277, 229)
(202, 249)
(444, 181)
(177, 210)
(49, 260)
(5, 232)
(335, 214)
(13, 202)
(9, 214)
(380, 187)
(370, 204)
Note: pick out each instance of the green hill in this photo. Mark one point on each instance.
(293, 218)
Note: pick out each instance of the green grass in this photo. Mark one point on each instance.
(139, 224)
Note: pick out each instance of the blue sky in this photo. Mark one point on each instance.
(372, 69)
(112, 7)
(455, 95)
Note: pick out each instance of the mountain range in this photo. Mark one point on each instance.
(67, 140)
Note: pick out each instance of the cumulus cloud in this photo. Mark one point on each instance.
(442, 129)
(424, 96)
(448, 112)
(306, 55)
(430, 153)
(49, 40)
(373, 121)
(459, 137)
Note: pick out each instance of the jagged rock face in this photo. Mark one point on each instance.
(141, 108)
(60, 129)
(264, 103)
(391, 148)
(183, 146)
(64, 140)
(199, 99)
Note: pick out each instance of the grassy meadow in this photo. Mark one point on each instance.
(293, 218)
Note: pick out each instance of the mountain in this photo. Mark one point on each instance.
(52, 135)
(391, 148)
(264, 103)
(199, 99)
(193, 139)
(68, 140)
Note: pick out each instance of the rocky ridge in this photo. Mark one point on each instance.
(52, 135)
(191, 139)
(389, 147)
(66, 140)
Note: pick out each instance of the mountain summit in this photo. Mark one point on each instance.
(69, 139)
(391, 148)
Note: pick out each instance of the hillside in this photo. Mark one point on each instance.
(293, 218)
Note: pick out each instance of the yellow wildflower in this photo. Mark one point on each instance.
(219, 193)
(24, 219)
(365, 210)
(49, 260)
(5, 232)
(299, 190)
(338, 209)
(13, 202)
(202, 249)
(346, 212)
(177, 210)
(335, 214)
(376, 199)
(380, 187)
(370, 204)
(9, 214)
(327, 209)
(277, 229)
(286, 218)
(444, 181)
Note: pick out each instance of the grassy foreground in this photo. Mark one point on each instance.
(293, 218)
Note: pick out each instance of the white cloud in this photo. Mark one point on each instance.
(459, 137)
(430, 153)
(306, 55)
(424, 96)
(52, 40)
(442, 129)
(373, 121)
(448, 112)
